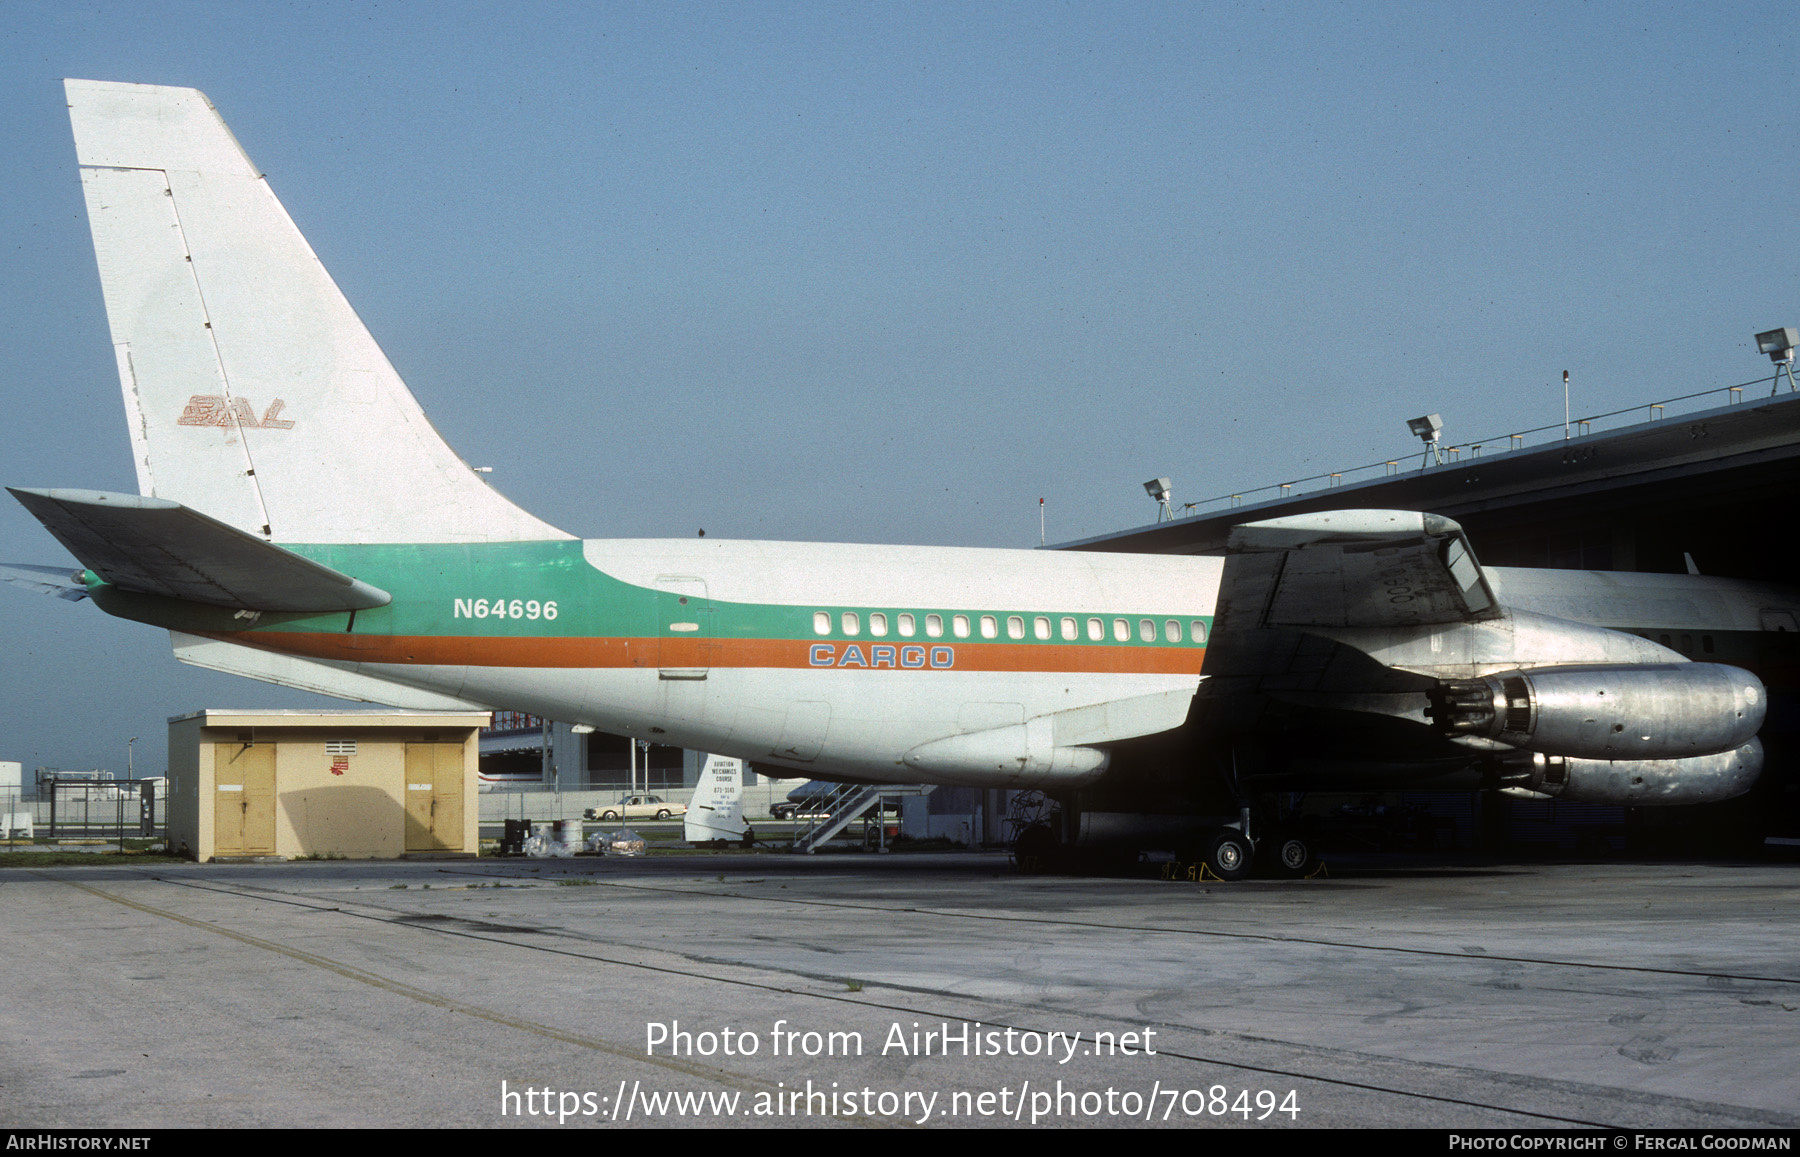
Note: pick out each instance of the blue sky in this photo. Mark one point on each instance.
(893, 272)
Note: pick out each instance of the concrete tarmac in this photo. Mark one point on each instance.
(492, 993)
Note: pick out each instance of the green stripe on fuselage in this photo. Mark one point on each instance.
(428, 579)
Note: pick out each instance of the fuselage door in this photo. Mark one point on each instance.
(684, 625)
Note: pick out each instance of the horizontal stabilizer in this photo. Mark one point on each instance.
(158, 547)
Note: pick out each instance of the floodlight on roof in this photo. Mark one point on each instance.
(1426, 429)
(1779, 344)
(1158, 488)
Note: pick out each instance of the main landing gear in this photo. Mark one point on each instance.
(1230, 855)
(1290, 856)
(1050, 836)
(1221, 853)
(1259, 841)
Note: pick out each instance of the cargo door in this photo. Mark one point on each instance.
(684, 627)
(243, 799)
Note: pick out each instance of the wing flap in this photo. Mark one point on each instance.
(1352, 568)
(163, 548)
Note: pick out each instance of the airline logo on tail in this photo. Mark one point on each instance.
(217, 410)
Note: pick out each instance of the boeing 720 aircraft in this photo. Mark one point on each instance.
(299, 521)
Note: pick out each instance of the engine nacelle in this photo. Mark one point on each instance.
(1663, 712)
(1642, 782)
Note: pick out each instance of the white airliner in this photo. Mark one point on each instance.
(299, 521)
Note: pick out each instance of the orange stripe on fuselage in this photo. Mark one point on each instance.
(505, 651)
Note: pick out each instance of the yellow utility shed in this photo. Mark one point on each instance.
(356, 784)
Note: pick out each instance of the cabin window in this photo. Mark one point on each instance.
(1015, 627)
(1040, 627)
(1706, 644)
(906, 626)
(989, 627)
(1068, 629)
(1687, 644)
(852, 623)
(1172, 631)
(1147, 630)
(822, 622)
(934, 625)
(877, 623)
(1197, 630)
(959, 626)
(1122, 630)
(1096, 631)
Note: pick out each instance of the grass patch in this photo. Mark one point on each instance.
(80, 859)
(577, 882)
(852, 986)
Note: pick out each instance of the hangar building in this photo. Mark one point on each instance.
(1713, 477)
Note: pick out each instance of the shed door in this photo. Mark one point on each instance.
(243, 799)
(434, 797)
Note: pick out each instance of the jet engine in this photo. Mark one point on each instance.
(1640, 712)
(1638, 782)
(1677, 733)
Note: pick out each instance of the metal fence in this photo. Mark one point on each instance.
(85, 808)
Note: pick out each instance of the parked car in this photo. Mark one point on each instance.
(637, 807)
(808, 801)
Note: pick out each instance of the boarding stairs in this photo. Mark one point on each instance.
(844, 806)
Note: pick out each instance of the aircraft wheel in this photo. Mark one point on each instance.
(1292, 856)
(1228, 854)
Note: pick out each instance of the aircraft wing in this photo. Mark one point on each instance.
(158, 547)
(1350, 568)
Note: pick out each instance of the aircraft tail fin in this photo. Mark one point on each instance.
(253, 392)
